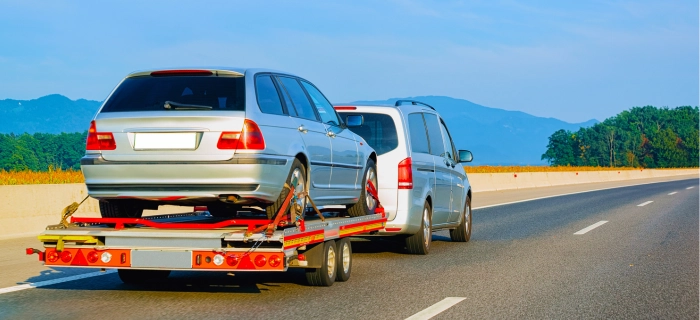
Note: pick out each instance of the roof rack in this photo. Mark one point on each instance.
(413, 102)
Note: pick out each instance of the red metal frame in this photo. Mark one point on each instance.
(120, 222)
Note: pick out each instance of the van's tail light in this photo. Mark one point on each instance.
(99, 140)
(250, 138)
(405, 174)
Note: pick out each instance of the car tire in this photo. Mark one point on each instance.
(326, 274)
(464, 231)
(131, 276)
(366, 204)
(299, 171)
(344, 260)
(119, 209)
(419, 243)
(223, 210)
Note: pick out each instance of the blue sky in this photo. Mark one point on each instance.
(571, 60)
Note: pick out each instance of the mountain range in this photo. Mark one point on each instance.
(495, 136)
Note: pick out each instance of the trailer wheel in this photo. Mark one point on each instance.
(366, 203)
(131, 276)
(419, 243)
(326, 274)
(297, 171)
(344, 260)
(464, 231)
(119, 209)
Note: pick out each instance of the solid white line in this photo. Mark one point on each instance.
(54, 281)
(644, 203)
(435, 309)
(591, 227)
(689, 188)
(672, 193)
(566, 194)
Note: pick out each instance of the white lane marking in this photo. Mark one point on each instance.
(644, 203)
(591, 227)
(689, 187)
(54, 281)
(566, 194)
(672, 193)
(435, 309)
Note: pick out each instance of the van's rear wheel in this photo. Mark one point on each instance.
(419, 243)
(120, 209)
(297, 172)
(366, 204)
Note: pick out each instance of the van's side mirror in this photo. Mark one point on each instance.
(354, 120)
(465, 156)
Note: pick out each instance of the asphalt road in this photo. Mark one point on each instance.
(525, 260)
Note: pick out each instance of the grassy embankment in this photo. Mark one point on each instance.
(58, 176)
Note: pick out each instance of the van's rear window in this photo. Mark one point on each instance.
(378, 130)
(150, 93)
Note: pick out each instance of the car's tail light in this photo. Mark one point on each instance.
(250, 138)
(99, 140)
(405, 174)
(345, 108)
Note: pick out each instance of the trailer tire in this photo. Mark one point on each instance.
(464, 231)
(119, 209)
(419, 243)
(366, 204)
(131, 276)
(297, 166)
(326, 274)
(344, 267)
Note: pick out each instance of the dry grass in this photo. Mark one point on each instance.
(53, 176)
(506, 169)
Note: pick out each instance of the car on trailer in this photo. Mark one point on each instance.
(225, 138)
(423, 185)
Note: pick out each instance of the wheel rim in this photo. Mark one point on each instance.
(345, 251)
(371, 176)
(426, 228)
(299, 187)
(331, 262)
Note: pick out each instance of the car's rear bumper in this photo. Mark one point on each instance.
(259, 179)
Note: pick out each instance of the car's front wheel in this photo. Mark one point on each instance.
(366, 204)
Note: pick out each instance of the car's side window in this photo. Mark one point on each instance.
(301, 102)
(418, 133)
(455, 156)
(268, 98)
(289, 106)
(324, 108)
(449, 152)
(437, 148)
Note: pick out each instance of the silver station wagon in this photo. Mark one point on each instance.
(224, 138)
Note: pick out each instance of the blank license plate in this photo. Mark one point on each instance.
(163, 141)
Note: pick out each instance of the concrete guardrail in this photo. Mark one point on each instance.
(28, 209)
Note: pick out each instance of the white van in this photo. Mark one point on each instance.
(422, 184)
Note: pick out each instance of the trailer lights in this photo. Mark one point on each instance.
(218, 259)
(93, 256)
(260, 260)
(66, 256)
(275, 261)
(301, 257)
(232, 259)
(106, 257)
(52, 256)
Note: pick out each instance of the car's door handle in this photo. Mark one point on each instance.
(302, 129)
(330, 134)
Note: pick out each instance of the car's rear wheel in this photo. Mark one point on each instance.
(120, 209)
(366, 203)
(296, 173)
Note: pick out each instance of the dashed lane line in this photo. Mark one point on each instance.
(591, 227)
(689, 188)
(54, 281)
(644, 203)
(672, 193)
(435, 309)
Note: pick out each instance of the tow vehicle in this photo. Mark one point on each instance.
(148, 248)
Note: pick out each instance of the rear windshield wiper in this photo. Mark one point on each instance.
(171, 105)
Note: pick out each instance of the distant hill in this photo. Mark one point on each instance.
(495, 136)
(50, 114)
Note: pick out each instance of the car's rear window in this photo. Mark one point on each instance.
(378, 130)
(150, 93)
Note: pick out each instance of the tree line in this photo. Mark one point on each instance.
(647, 137)
(41, 151)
